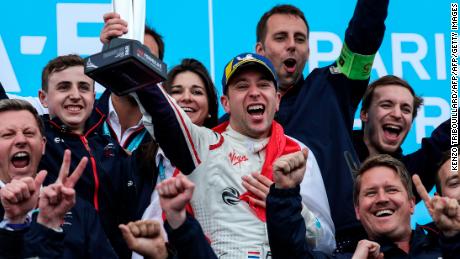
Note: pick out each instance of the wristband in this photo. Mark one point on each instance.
(5, 224)
(353, 65)
(19, 226)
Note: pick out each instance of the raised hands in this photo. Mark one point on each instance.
(58, 198)
(145, 237)
(114, 27)
(444, 211)
(367, 250)
(288, 170)
(174, 194)
(20, 196)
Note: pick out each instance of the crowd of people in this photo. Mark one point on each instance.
(157, 173)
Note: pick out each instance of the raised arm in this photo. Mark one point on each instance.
(184, 233)
(285, 223)
(426, 159)
(184, 143)
(363, 38)
(18, 198)
(114, 27)
(46, 236)
(445, 212)
(366, 28)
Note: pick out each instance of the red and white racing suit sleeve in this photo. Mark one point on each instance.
(184, 143)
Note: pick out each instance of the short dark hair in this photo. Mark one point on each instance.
(445, 157)
(261, 31)
(195, 66)
(158, 39)
(385, 161)
(58, 64)
(390, 80)
(21, 105)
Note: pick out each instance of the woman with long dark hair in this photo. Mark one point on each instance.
(191, 86)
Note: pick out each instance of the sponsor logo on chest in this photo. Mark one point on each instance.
(236, 158)
(231, 196)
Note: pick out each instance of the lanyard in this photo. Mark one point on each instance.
(161, 170)
(133, 144)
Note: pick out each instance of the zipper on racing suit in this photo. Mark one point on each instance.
(94, 169)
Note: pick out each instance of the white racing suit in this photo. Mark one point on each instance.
(215, 163)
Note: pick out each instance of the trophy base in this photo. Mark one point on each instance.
(125, 67)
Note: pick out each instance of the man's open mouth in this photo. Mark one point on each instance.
(73, 108)
(391, 131)
(256, 109)
(290, 64)
(20, 159)
(384, 213)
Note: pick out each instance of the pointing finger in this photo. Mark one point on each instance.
(422, 191)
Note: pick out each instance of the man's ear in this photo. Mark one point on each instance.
(225, 103)
(260, 48)
(363, 115)
(44, 145)
(278, 100)
(412, 205)
(43, 96)
(357, 212)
